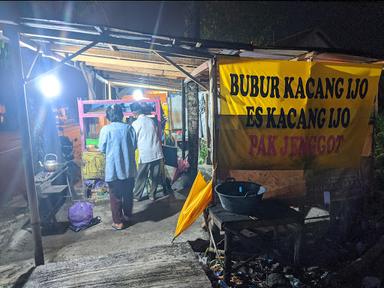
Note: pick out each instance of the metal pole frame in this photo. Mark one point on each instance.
(30, 70)
(187, 74)
(25, 43)
(183, 117)
(109, 91)
(19, 87)
(65, 60)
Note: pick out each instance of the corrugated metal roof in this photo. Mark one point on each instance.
(118, 52)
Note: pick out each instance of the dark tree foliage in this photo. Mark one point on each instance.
(192, 20)
(379, 149)
(238, 21)
(352, 25)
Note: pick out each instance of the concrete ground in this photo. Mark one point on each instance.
(153, 225)
(163, 266)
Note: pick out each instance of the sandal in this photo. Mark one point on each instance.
(117, 226)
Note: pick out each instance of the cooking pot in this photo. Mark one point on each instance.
(50, 164)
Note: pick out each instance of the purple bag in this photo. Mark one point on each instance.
(80, 214)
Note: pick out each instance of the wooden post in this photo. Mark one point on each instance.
(371, 179)
(297, 244)
(208, 134)
(227, 257)
(214, 115)
(183, 117)
(193, 128)
(19, 94)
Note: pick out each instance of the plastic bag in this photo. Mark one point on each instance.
(80, 214)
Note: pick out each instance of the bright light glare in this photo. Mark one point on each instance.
(138, 95)
(50, 86)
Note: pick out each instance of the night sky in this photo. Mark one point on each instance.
(143, 16)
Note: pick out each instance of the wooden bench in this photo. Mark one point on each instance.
(270, 213)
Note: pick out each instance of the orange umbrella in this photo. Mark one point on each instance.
(198, 199)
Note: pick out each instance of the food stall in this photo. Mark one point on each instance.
(92, 118)
(152, 61)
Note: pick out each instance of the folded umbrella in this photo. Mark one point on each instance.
(198, 199)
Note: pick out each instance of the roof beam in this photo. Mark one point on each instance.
(30, 70)
(101, 31)
(182, 71)
(56, 34)
(64, 61)
(56, 57)
(307, 56)
(153, 80)
(197, 71)
(25, 43)
(124, 55)
(127, 63)
(142, 85)
(77, 53)
(143, 72)
(48, 53)
(343, 58)
(124, 32)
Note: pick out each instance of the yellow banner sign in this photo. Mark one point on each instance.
(293, 115)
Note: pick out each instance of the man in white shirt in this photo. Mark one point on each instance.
(150, 156)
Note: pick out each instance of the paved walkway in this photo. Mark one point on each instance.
(154, 224)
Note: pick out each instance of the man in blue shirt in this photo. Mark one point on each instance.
(118, 142)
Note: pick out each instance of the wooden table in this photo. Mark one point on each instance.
(51, 190)
(270, 213)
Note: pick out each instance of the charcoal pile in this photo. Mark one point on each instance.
(326, 261)
(263, 271)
